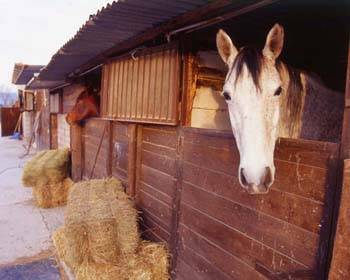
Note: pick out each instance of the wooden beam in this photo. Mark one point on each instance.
(340, 266)
(139, 136)
(340, 244)
(175, 219)
(132, 137)
(77, 152)
(345, 141)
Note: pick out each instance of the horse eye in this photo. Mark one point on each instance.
(226, 95)
(278, 91)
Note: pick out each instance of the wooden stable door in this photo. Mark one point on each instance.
(190, 198)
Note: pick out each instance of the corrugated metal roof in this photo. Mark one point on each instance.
(22, 73)
(116, 23)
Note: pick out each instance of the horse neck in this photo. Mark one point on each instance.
(322, 111)
(311, 111)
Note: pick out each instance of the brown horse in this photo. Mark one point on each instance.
(268, 99)
(85, 107)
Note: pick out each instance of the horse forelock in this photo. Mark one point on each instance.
(253, 60)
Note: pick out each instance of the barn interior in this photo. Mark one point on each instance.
(316, 40)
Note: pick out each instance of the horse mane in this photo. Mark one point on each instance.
(294, 96)
(253, 59)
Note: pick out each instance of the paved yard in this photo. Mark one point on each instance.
(26, 249)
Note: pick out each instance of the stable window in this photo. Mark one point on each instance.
(205, 107)
(144, 88)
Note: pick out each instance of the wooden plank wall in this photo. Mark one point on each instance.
(156, 180)
(8, 120)
(223, 232)
(123, 154)
(340, 268)
(190, 198)
(96, 152)
(115, 157)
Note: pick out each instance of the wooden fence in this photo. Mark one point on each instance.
(184, 182)
(8, 120)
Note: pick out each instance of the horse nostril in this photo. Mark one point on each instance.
(268, 177)
(243, 178)
(226, 95)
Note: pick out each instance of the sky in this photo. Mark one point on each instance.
(31, 31)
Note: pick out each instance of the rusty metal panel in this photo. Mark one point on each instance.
(145, 89)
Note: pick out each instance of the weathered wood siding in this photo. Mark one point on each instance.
(42, 104)
(156, 181)
(123, 154)
(96, 137)
(223, 232)
(8, 120)
(189, 197)
(340, 268)
(142, 90)
(232, 233)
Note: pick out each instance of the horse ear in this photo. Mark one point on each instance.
(274, 42)
(225, 47)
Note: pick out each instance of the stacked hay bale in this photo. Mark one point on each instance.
(100, 238)
(47, 174)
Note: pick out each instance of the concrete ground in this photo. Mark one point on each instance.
(26, 249)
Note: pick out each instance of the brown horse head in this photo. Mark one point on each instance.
(85, 107)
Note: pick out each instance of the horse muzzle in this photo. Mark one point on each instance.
(256, 184)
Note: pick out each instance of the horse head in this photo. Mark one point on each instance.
(85, 107)
(253, 90)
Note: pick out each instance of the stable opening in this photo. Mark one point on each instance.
(315, 42)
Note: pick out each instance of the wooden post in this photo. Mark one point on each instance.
(340, 264)
(345, 141)
(110, 149)
(77, 152)
(175, 219)
(132, 137)
(138, 160)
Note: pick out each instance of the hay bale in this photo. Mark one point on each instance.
(100, 239)
(93, 271)
(47, 167)
(52, 195)
(102, 210)
(152, 257)
(151, 262)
